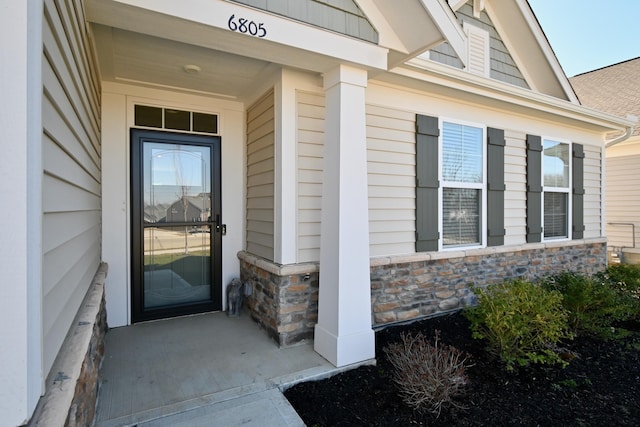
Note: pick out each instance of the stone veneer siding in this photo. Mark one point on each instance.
(72, 386)
(424, 284)
(284, 299)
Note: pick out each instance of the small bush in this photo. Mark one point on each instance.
(429, 375)
(625, 278)
(522, 322)
(593, 305)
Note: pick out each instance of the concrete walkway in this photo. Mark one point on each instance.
(204, 370)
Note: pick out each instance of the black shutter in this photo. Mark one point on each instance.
(578, 191)
(495, 187)
(534, 189)
(427, 183)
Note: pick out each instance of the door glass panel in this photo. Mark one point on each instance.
(177, 259)
(177, 183)
(177, 265)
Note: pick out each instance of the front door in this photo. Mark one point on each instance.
(176, 224)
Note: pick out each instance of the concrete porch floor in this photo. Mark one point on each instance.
(206, 369)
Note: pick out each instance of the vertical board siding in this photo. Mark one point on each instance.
(71, 169)
(260, 177)
(391, 171)
(623, 199)
(593, 202)
(310, 134)
(515, 195)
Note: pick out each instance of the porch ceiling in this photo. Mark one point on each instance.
(129, 57)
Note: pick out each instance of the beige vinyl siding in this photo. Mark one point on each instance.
(260, 177)
(310, 134)
(623, 199)
(515, 195)
(391, 178)
(391, 170)
(592, 191)
(71, 169)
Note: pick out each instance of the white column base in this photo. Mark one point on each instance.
(345, 349)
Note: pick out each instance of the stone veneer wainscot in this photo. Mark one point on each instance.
(284, 299)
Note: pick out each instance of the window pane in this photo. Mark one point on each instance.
(461, 153)
(177, 119)
(555, 214)
(205, 123)
(148, 116)
(461, 216)
(556, 164)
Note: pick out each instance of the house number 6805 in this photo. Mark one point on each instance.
(245, 26)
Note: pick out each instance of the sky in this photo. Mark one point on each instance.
(590, 34)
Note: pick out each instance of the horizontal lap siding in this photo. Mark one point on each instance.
(71, 169)
(260, 177)
(310, 134)
(515, 196)
(593, 193)
(623, 199)
(391, 166)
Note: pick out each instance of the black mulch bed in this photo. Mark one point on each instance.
(601, 387)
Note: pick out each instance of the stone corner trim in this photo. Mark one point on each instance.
(284, 298)
(72, 385)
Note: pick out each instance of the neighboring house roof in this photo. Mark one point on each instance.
(614, 89)
(201, 202)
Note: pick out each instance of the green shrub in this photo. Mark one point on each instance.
(625, 278)
(522, 322)
(593, 304)
(428, 375)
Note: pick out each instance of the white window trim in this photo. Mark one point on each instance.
(568, 190)
(480, 186)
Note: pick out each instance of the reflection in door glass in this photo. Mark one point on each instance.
(176, 183)
(177, 189)
(177, 265)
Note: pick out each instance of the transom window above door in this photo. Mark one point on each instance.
(174, 119)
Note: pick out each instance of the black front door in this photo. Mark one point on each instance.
(176, 235)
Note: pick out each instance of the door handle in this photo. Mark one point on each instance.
(220, 227)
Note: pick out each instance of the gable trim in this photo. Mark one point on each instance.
(448, 25)
(534, 56)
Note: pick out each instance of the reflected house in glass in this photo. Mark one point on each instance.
(357, 163)
(190, 208)
(155, 213)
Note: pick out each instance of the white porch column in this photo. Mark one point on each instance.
(343, 334)
(21, 372)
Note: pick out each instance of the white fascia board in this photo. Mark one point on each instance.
(443, 75)
(457, 4)
(543, 42)
(277, 29)
(447, 23)
(387, 36)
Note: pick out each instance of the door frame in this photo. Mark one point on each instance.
(138, 313)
